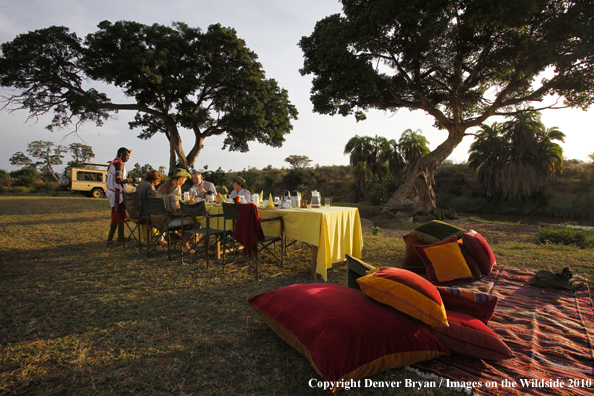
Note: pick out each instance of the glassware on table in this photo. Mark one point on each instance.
(186, 197)
(327, 201)
(304, 203)
(193, 192)
(256, 199)
(316, 199)
(277, 201)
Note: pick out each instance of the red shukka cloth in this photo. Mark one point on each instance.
(248, 230)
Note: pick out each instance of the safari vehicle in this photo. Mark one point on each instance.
(89, 181)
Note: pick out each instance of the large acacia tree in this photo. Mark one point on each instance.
(173, 77)
(461, 61)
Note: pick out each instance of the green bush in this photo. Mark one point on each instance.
(560, 205)
(25, 177)
(379, 190)
(586, 206)
(18, 190)
(45, 187)
(566, 235)
(463, 203)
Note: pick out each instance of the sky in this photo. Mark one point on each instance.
(270, 28)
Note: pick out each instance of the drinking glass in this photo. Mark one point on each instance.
(328, 201)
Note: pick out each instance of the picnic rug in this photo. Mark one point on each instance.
(550, 331)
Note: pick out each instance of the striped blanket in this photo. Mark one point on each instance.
(551, 332)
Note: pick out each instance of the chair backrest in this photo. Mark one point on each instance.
(154, 206)
(230, 211)
(195, 210)
(132, 202)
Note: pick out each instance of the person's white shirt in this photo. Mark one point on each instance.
(112, 186)
(243, 192)
(207, 186)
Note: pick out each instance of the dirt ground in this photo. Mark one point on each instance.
(494, 233)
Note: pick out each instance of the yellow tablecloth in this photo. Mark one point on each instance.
(335, 230)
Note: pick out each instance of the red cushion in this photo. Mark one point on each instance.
(479, 305)
(343, 333)
(480, 250)
(468, 336)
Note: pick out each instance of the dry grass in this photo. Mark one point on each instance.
(77, 319)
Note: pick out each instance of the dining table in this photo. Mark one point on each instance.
(332, 231)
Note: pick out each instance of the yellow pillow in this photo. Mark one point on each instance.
(444, 262)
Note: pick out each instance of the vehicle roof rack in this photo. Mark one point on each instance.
(95, 164)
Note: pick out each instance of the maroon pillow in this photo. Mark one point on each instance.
(480, 305)
(469, 336)
(472, 264)
(412, 261)
(480, 250)
(344, 334)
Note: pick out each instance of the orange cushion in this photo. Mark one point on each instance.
(444, 262)
(406, 292)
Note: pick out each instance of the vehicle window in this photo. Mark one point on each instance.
(89, 176)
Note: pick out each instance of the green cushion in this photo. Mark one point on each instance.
(436, 231)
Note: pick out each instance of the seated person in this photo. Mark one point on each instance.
(146, 189)
(171, 192)
(239, 188)
(201, 185)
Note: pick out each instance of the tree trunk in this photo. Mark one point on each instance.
(176, 150)
(415, 199)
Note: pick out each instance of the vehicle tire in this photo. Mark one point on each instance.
(97, 193)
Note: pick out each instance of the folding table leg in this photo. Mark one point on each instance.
(314, 262)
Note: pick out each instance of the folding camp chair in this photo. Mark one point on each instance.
(157, 220)
(263, 242)
(134, 218)
(228, 243)
(193, 233)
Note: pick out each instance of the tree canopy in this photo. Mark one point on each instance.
(47, 153)
(459, 61)
(298, 161)
(174, 77)
(81, 153)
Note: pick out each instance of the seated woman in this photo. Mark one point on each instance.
(239, 189)
(171, 192)
(146, 189)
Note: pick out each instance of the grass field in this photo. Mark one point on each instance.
(77, 319)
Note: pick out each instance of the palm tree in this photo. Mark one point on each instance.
(516, 159)
(411, 147)
(367, 159)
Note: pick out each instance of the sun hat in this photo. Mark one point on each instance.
(240, 180)
(179, 172)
